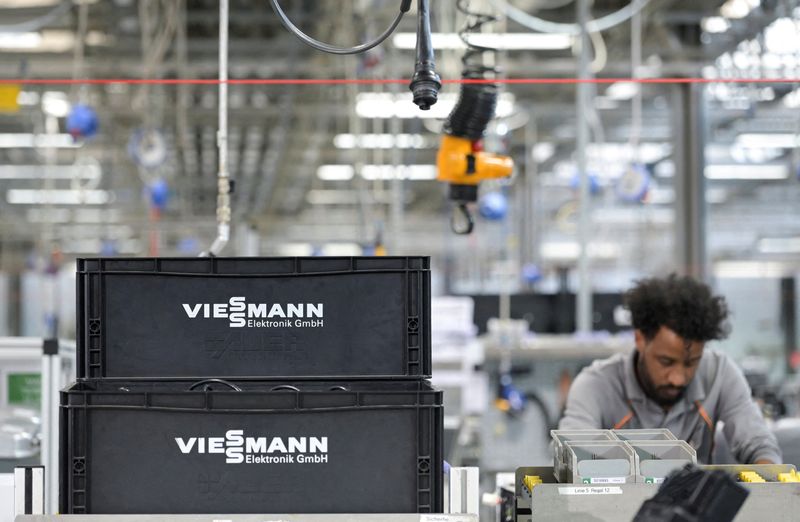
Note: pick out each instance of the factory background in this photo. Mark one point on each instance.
(683, 157)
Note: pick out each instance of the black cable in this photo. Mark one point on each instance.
(475, 107)
(548, 422)
(405, 6)
(426, 83)
(473, 111)
(473, 68)
(476, 102)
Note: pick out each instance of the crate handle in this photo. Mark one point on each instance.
(206, 383)
(285, 387)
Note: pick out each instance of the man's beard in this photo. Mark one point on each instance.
(663, 395)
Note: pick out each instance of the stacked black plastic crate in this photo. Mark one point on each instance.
(252, 385)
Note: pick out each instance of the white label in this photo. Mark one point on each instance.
(604, 480)
(239, 449)
(242, 314)
(589, 490)
(654, 480)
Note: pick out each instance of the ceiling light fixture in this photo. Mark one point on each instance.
(37, 141)
(747, 172)
(715, 24)
(779, 245)
(56, 103)
(377, 172)
(20, 41)
(381, 141)
(767, 140)
(335, 172)
(622, 90)
(58, 197)
(737, 9)
(401, 172)
(750, 269)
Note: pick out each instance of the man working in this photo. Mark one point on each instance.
(670, 381)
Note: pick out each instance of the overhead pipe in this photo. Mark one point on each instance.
(223, 178)
(583, 103)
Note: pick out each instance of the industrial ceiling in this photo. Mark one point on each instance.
(281, 136)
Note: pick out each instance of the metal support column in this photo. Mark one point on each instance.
(51, 385)
(529, 237)
(584, 301)
(690, 186)
(396, 185)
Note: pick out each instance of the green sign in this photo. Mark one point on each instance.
(587, 481)
(24, 389)
(649, 480)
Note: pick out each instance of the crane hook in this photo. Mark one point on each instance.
(468, 221)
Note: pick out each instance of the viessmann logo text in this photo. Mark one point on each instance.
(255, 315)
(239, 449)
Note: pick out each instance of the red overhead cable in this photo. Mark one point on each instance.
(364, 81)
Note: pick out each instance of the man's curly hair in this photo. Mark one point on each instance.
(682, 304)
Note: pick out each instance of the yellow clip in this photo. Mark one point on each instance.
(792, 476)
(750, 476)
(531, 481)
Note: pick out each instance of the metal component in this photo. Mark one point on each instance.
(463, 491)
(583, 101)
(223, 182)
(460, 165)
(461, 161)
(26, 355)
(396, 205)
(20, 432)
(570, 502)
(558, 348)
(655, 459)
(29, 490)
(690, 182)
(644, 434)
(52, 382)
(461, 220)
(530, 231)
(562, 458)
(636, 102)
(426, 83)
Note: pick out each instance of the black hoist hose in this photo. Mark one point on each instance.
(425, 84)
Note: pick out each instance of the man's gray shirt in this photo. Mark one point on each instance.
(607, 393)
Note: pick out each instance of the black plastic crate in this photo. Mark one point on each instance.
(319, 317)
(335, 447)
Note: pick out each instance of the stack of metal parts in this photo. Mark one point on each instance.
(618, 456)
(252, 385)
(609, 474)
(20, 435)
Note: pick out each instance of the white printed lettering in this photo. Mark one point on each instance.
(192, 312)
(185, 446)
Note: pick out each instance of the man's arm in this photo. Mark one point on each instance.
(583, 407)
(750, 440)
